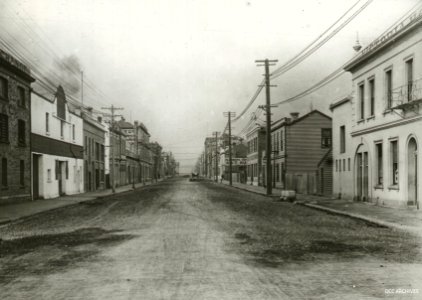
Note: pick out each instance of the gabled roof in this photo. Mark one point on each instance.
(290, 122)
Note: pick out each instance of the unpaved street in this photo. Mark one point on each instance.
(198, 240)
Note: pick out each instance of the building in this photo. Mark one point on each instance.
(94, 151)
(342, 151)
(386, 121)
(156, 150)
(117, 158)
(15, 126)
(255, 141)
(239, 152)
(211, 156)
(57, 146)
(301, 153)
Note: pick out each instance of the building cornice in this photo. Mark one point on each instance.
(385, 126)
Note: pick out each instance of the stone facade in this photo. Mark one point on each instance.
(15, 130)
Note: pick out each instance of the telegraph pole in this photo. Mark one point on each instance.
(267, 63)
(216, 156)
(230, 114)
(112, 109)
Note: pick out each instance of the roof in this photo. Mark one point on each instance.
(11, 63)
(124, 125)
(290, 122)
(339, 103)
(408, 25)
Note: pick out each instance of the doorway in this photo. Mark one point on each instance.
(35, 176)
(362, 178)
(412, 173)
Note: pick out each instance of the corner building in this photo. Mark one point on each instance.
(385, 131)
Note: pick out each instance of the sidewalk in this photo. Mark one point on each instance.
(255, 189)
(397, 218)
(12, 212)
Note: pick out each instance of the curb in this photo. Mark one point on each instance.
(368, 220)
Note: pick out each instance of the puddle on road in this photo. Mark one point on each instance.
(45, 254)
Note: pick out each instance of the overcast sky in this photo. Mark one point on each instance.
(176, 65)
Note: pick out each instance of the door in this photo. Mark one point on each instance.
(35, 176)
(412, 173)
(359, 176)
(365, 177)
(362, 176)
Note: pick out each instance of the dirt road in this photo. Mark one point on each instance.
(187, 240)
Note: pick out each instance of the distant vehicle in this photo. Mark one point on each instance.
(194, 177)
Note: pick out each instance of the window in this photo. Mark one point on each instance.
(4, 128)
(73, 132)
(21, 95)
(4, 89)
(394, 163)
(344, 164)
(61, 128)
(336, 165)
(342, 139)
(47, 122)
(339, 165)
(102, 158)
(49, 175)
(281, 140)
(4, 172)
(22, 173)
(21, 133)
(389, 87)
(67, 169)
(409, 77)
(348, 162)
(372, 97)
(97, 151)
(361, 101)
(325, 137)
(378, 148)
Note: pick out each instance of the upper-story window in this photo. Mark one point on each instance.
(342, 139)
(325, 137)
(73, 132)
(21, 133)
(47, 122)
(281, 140)
(361, 101)
(4, 128)
(22, 98)
(389, 87)
(409, 79)
(372, 97)
(61, 128)
(4, 89)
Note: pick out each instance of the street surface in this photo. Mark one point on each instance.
(199, 240)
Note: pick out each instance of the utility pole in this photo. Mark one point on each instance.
(230, 115)
(267, 63)
(216, 155)
(112, 109)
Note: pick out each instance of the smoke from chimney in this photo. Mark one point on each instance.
(68, 70)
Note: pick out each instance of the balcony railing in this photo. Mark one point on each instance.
(407, 93)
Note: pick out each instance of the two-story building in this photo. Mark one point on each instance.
(94, 151)
(385, 110)
(255, 141)
(15, 126)
(56, 145)
(301, 153)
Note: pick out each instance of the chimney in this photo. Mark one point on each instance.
(99, 119)
(294, 115)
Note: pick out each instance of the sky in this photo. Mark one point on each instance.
(177, 65)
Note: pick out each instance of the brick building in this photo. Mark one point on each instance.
(15, 126)
(94, 151)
